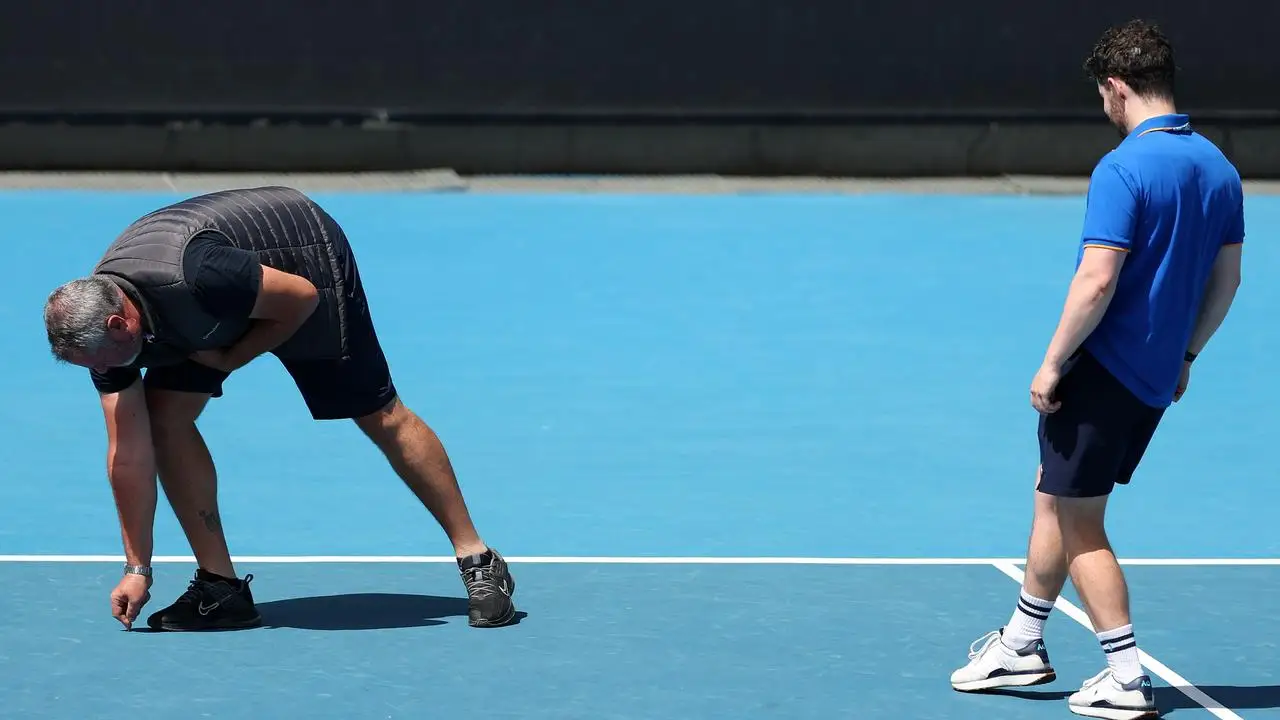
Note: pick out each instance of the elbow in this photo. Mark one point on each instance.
(302, 302)
(1098, 289)
(309, 301)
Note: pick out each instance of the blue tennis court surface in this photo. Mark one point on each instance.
(751, 457)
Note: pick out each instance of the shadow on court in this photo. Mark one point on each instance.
(1168, 699)
(363, 611)
(1233, 697)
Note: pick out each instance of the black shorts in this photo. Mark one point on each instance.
(350, 388)
(1098, 435)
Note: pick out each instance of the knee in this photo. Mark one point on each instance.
(171, 412)
(388, 423)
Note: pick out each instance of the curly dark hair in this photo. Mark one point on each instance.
(1137, 53)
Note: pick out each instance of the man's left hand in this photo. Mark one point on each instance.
(1043, 387)
(219, 359)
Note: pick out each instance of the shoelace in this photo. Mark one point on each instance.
(1096, 679)
(985, 642)
(198, 590)
(480, 582)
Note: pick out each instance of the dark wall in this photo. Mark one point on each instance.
(524, 61)
(605, 57)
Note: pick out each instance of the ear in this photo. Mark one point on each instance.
(1116, 87)
(117, 324)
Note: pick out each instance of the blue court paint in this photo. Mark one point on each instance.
(652, 375)
(810, 375)
(597, 642)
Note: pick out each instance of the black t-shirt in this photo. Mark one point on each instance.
(224, 280)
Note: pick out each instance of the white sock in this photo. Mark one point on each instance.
(1027, 623)
(1122, 653)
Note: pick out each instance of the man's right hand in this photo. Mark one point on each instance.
(131, 469)
(128, 598)
(1183, 381)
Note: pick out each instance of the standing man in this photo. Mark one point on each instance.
(1158, 269)
(194, 291)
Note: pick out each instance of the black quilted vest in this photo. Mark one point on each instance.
(284, 228)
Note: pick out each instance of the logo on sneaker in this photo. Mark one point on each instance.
(1146, 683)
(206, 609)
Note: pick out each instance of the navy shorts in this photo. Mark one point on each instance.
(1098, 435)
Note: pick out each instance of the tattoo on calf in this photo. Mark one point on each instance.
(211, 520)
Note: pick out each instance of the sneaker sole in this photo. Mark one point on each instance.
(505, 619)
(242, 625)
(1114, 713)
(1007, 681)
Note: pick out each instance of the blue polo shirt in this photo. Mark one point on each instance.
(1168, 198)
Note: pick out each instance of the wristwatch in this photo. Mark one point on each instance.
(1189, 357)
(142, 570)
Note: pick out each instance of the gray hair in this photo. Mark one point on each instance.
(75, 315)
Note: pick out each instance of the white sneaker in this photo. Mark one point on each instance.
(1102, 696)
(994, 665)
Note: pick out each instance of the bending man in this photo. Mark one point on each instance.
(194, 291)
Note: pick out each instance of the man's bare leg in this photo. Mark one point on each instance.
(1016, 656)
(1123, 688)
(217, 600)
(188, 476)
(1100, 582)
(419, 458)
(1046, 574)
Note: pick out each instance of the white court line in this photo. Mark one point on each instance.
(611, 560)
(1155, 666)
(546, 560)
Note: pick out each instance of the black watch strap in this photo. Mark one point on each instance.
(1189, 357)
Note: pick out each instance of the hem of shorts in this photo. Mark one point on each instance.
(1073, 493)
(360, 412)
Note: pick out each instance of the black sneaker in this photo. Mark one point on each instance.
(489, 587)
(210, 603)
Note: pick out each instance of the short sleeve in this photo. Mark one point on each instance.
(224, 279)
(1235, 228)
(114, 380)
(1111, 210)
